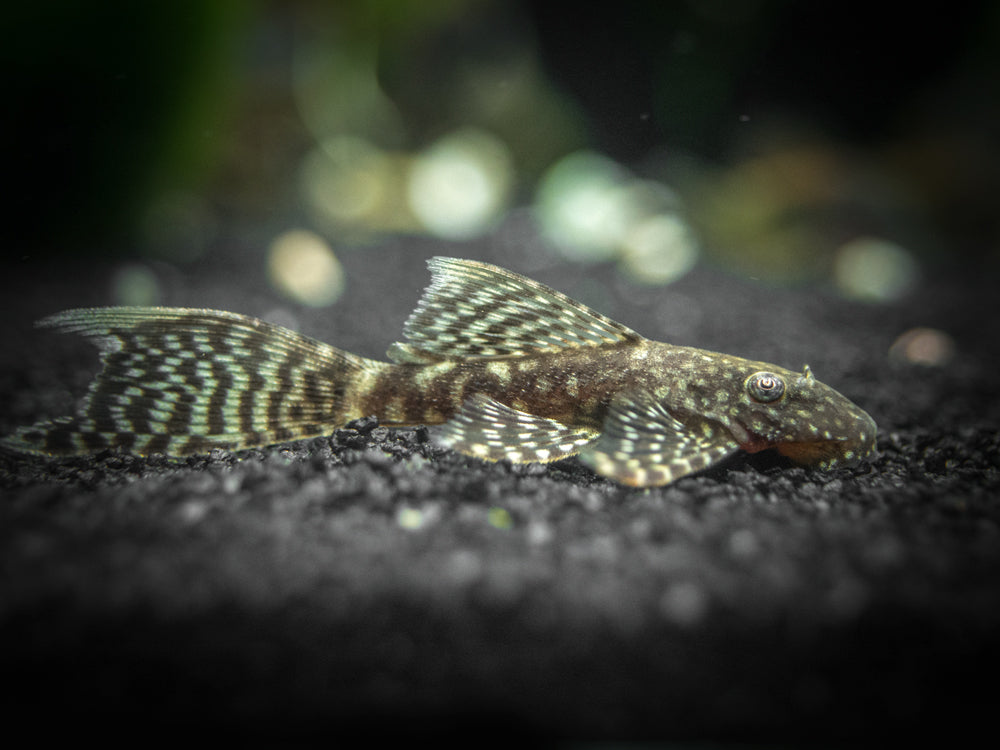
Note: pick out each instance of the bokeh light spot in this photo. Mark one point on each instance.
(135, 285)
(357, 178)
(584, 207)
(685, 603)
(499, 518)
(410, 518)
(349, 183)
(302, 265)
(659, 249)
(459, 186)
(873, 269)
(923, 346)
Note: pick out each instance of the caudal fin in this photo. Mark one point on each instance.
(182, 381)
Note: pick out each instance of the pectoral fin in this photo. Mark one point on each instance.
(487, 429)
(643, 445)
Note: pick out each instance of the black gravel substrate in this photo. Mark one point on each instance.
(370, 582)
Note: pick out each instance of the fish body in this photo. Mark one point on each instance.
(507, 367)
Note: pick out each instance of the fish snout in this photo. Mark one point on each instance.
(862, 442)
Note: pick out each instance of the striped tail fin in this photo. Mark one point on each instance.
(181, 381)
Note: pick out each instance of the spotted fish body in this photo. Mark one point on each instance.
(509, 369)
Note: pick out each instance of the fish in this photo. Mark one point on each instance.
(500, 366)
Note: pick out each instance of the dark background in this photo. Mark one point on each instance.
(369, 581)
(117, 104)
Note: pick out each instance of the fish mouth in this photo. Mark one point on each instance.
(851, 447)
(827, 454)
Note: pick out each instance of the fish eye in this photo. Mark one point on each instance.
(765, 387)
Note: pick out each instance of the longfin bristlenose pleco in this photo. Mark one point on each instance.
(510, 369)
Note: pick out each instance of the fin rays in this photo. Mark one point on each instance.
(183, 381)
(643, 445)
(473, 310)
(487, 429)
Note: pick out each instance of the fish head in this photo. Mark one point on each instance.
(804, 419)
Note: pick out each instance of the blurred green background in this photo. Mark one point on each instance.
(790, 142)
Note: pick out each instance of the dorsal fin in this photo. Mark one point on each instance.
(475, 310)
